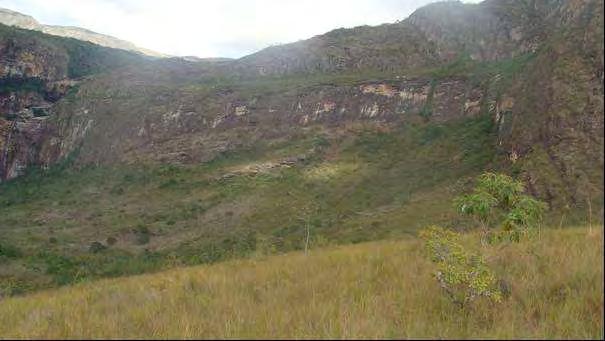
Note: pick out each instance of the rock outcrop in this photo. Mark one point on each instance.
(535, 67)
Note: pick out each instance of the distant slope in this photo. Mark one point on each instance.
(375, 290)
(12, 18)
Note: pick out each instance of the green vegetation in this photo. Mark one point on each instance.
(365, 185)
(19, 84)
(498, 199)
(371, 290)
(463, 275)
(427, 110)
(479, 71)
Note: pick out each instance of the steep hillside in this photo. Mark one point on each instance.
(375, 290)
(555, 132)
(515, 61)
(361, 133)
(12, 18)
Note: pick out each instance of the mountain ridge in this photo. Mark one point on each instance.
(14, 18)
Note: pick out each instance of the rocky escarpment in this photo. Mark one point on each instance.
(36, 71)
(196, 123)
(535, 67)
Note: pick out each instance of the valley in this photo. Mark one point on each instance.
(234, 188)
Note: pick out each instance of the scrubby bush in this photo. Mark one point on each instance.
(111, 241)
(96, 247)
(143, 235)
(8, 251)
(463, 275)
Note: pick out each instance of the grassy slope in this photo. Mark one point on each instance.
(379, 289)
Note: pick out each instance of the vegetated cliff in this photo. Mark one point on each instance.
(555, 130)
(536, 67)
(36, 70)
(12, 18)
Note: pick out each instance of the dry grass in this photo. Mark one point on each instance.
(373, 290)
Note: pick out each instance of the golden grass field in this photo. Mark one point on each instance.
(372, 290)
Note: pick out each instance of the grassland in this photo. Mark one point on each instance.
(369, 290)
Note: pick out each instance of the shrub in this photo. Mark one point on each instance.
(111, 241)
(9, 251)
(142, 234)
(96, 247)
(463, 275)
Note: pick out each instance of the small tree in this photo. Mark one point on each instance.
(463, 275)
(498, 199)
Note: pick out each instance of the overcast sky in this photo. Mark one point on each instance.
(217, 28)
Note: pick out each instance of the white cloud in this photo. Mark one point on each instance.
(225, 28)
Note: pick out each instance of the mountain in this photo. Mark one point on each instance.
(12, 18)
(113, 163)
(491, 57)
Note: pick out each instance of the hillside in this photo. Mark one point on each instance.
(535, 68)
(373, 290)
(361, 185)
(12, 18)
(114, 164)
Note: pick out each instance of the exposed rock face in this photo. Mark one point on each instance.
(546, 95)
(36, 71)
(20, 146)
(12, 18)
(201, 126)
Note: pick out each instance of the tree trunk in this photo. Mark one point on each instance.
(589, 216)
(307, 240)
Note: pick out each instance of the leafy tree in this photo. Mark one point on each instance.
(463, 275)
(499, 200)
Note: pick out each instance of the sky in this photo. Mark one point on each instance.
(217, 28)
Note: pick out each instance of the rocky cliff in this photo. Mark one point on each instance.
(36, 71)
(535, 67)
